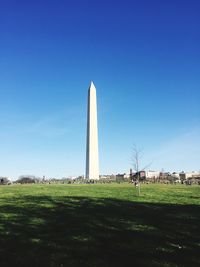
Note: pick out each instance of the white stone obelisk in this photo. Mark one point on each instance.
(92, 153)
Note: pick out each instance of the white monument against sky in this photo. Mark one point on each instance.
(92, 153)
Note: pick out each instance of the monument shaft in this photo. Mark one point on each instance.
(92, 154)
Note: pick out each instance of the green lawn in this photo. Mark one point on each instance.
(99, 225)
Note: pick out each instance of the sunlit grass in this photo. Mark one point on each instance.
(179, 194)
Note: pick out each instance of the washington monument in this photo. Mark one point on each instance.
(92, 153)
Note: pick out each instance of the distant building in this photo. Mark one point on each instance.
(189, 175)
(141, 175)
(175, 175)
(152, 175)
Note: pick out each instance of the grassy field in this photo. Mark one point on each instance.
(99, 225)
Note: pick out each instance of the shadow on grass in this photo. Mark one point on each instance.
(75, 231)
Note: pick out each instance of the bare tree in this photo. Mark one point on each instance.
(136, 163)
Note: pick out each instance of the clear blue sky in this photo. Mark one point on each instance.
(144, 58)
